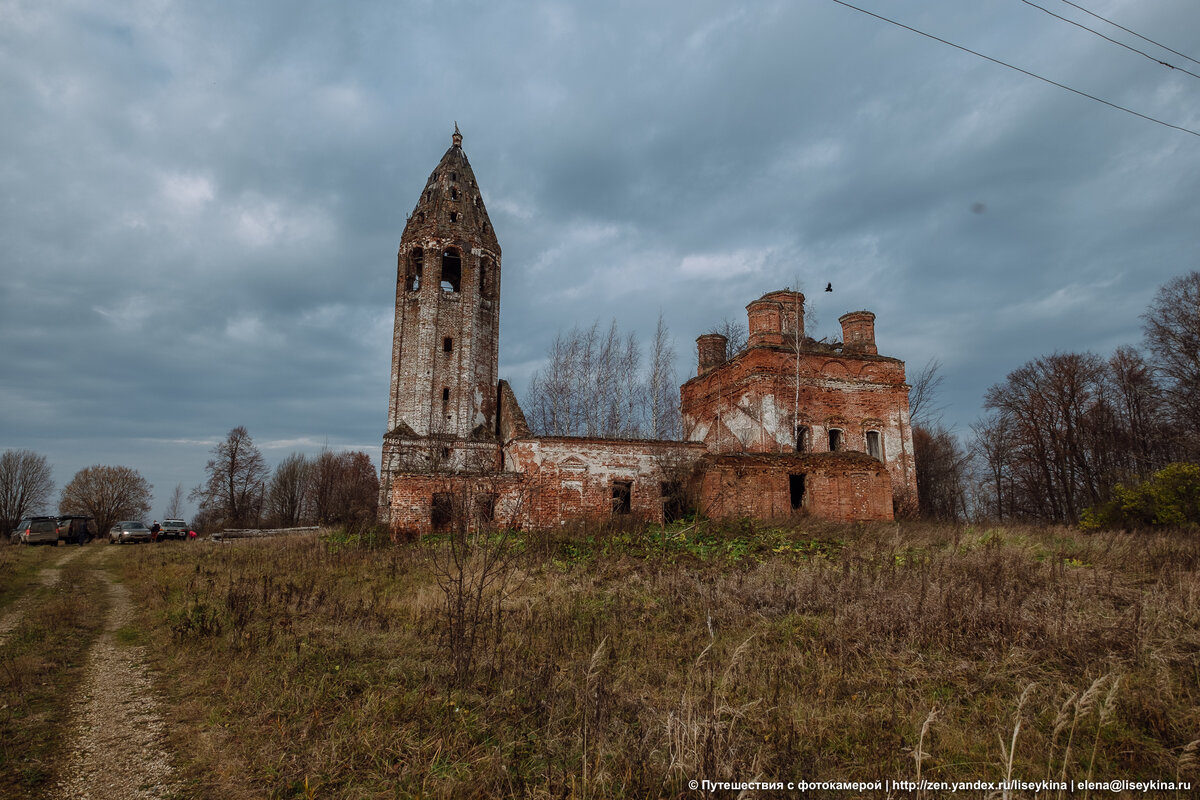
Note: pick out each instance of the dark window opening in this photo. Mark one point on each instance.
(622, 495)
(412, 280)
(454, 216)
(453, 176)
(674, 503)
(420, 216)
(802, 442)
(447, 345)
(451, 271)
(835, 440)
(874, 445)
(443, 511)
(445, 395)
(445, 452)
(453, 193)
(485, 227)
(796, 490)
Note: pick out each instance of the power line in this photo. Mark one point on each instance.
(1106, 38)
(1018, 69)
(1127, 30)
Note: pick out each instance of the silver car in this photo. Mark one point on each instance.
(128, 531)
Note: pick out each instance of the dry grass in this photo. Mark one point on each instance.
(624, 663)
(41, 664)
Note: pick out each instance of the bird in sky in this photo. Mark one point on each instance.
(829, 287)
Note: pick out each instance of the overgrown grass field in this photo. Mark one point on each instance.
(624, 663)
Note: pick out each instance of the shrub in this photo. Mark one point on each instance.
(1170, 498)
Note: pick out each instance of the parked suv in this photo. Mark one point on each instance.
(173, 529)
(37, 530)
(64, 527)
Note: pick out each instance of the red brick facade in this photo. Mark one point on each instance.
(787, 426)
(786, 393)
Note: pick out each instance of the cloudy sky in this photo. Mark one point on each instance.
(202, 201)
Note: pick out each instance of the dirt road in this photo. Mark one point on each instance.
(115, 741)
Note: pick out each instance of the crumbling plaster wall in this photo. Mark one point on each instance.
(571, 478)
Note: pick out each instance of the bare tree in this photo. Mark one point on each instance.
(1052, 407)
(593, 385)
(175, 504)
(661, 387)
(735, 335)
(25, 486)
(942, 473)
(1172, 329)
(237, 476)
(288, 492)
(922, 394)
(475, 568)
(1148, 440)
(107, 494)
(343, 488)
(993, 444)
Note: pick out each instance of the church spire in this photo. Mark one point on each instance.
(457, 137)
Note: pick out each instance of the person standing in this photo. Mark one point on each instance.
(154, 529)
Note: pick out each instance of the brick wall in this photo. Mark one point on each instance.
(838, 486)
(754, 403)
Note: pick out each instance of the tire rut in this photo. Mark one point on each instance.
(117, 733)
(47, 576)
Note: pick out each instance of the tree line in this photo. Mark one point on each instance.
(332, 488)
(1066, 432)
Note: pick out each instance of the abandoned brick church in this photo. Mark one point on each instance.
(788, 425)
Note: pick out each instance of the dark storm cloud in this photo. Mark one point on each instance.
(202, 203)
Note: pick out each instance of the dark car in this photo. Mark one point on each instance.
(36, 530)
(64, 527)
(128, 531)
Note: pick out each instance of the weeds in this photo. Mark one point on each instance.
(626, 667)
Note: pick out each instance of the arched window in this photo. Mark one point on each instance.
(412, 279)
(835, 440)
(875, 445)
(451, 270)
(803, 443)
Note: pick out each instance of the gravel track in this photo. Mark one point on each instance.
(117, 733)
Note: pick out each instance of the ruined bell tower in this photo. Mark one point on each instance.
(445, 343)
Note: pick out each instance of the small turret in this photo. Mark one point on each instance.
(776, 319)
(711, 347)
(858, 332)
